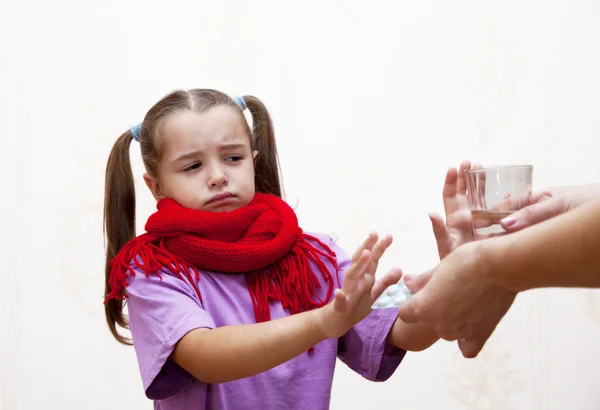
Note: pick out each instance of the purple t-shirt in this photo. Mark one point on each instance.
(161, 312)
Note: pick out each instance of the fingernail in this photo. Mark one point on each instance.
(409, 278)
(508, 221)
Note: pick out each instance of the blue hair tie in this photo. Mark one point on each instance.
(135, 131)
(240, 102)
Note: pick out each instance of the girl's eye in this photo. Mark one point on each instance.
(192, 167)
(233, 158)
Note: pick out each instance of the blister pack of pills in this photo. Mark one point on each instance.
(393, 297)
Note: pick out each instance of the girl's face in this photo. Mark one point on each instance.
(207, 162)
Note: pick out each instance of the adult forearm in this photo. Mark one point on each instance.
(561, 252)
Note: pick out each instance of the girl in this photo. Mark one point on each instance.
(231, 305)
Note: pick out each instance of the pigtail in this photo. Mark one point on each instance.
(267, 173)
(119, 222)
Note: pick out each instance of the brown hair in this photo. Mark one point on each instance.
(119, 192)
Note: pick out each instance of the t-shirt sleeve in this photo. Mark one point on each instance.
(364, 348)
(161, 311)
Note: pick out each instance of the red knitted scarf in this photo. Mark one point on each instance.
(262, 240)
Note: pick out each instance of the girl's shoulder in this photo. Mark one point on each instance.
(330, 241)
(327, 239)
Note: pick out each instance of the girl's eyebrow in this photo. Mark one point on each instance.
(231, 146)
(196, 153)
(187, 156)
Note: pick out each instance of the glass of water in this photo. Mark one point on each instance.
(494, 193)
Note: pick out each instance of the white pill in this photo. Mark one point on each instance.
(381, 302)
(392, 297)
(398, 300)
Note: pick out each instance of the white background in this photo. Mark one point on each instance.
(372, 102)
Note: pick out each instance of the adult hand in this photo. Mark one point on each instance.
(547, 204)
(457, 229)
(459, 299)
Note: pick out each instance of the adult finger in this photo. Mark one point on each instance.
(411, 311)
(443, 240)
(533, 214)
(449, 191)
(417, 282)
(470, 348)
(466, 331)
(481, 332)
(448, 333)
(461, 184)
(481, 200)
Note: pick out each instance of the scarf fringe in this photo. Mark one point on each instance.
(282, 282)
(147, 253)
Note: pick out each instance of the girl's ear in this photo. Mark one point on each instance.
(153, 186)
